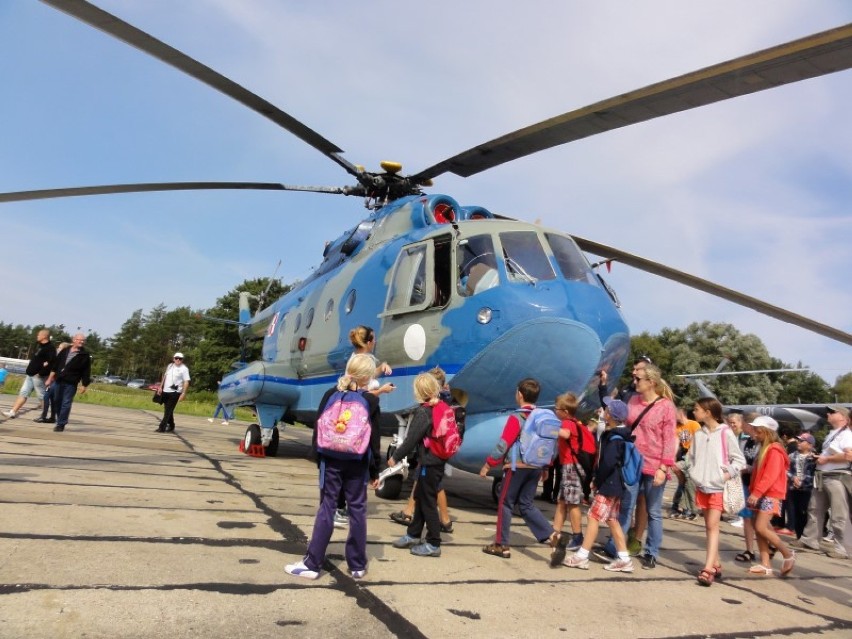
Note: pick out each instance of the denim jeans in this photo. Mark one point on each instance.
(654, 506)
(63, 396)
(32, 383)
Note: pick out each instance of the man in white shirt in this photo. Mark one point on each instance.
(829, 492)
(173, 389)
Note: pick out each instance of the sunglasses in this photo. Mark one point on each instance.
(638, 379)
(180, 358)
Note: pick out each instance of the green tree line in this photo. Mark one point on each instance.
(145, 343)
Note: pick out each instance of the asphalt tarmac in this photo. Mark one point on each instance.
(112, 530)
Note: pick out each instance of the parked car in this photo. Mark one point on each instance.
(136, 383)
(114, 379)
(153, 387)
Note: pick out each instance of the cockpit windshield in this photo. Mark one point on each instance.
(525, 257)
(477, 265)
(571, 262)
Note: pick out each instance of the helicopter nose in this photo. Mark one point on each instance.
(561, 354)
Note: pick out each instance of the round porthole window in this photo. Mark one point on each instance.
(350, 302)
(298, 322)
(309, 318)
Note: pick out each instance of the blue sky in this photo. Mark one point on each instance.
(752, 193)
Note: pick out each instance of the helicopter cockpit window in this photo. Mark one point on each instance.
(477, 265)
(570, 260)
(525, 258)
(411, 289)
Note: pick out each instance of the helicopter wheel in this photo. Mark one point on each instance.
(272, 448)
(251, 438)
(496, 485)
(391, 489)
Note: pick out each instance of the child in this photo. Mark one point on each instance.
(519, 485)
(404, 516)
(800, 483)
(609, 490)
(430, 471)
(570, 492)
(767, 490)
(714, 457)
(348, 477)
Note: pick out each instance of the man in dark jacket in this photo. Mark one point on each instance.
(73, 366)
(37, 371)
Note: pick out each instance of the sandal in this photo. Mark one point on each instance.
(760, 570)
(745, 556)
(401, 518)
(705, 577)
(497, 550)
(788, 563)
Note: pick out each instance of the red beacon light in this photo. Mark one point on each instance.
(444, 213)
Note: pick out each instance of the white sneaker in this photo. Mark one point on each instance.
(10, 414)
(225, 422)
(574, 561)
(341, 519)
(358, 574)
(620, 565)
(737, 523)
(299, 569)
(210, 419)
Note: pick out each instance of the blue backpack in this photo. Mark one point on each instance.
(631, 465)
(537, 442)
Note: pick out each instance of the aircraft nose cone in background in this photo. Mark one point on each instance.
(562, 354)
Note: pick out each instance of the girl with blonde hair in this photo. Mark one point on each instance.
(347, 477)
(363, 338)
(429, 473)
(767, 490)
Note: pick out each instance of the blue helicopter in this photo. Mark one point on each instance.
(488, 298)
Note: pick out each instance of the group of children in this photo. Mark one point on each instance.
(713, 458)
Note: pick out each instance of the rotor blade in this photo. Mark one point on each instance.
(46, 194)
(692, 281)
(110, 24)
(809, 57)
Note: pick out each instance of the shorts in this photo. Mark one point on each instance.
(32, 383)
(769, 505)
(709, 501)
(571, 487)
(605, 508)
(745, 513)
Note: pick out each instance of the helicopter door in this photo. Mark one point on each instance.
(412, 285)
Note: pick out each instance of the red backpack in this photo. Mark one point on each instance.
(445, 439)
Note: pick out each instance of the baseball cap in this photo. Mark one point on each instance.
(765, 422)
(617, 408)
(807, 437)
(839, 409)
(178, 354)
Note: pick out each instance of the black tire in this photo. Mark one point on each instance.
(252, 437)
(272, 449)
(496, 485)
(392, 488)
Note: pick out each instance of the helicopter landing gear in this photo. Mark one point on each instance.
(267, 438)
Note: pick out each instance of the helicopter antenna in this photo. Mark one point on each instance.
(261, 300)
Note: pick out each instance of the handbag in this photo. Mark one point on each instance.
(157, 398)
(733, 496)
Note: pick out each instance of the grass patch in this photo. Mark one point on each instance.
(201, 403)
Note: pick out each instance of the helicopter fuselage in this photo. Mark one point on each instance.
(489, 300)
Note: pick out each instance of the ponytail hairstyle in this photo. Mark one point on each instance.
(661, 387)
(361, 336)
(360, 369)
(439, 374)
(712, 406)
